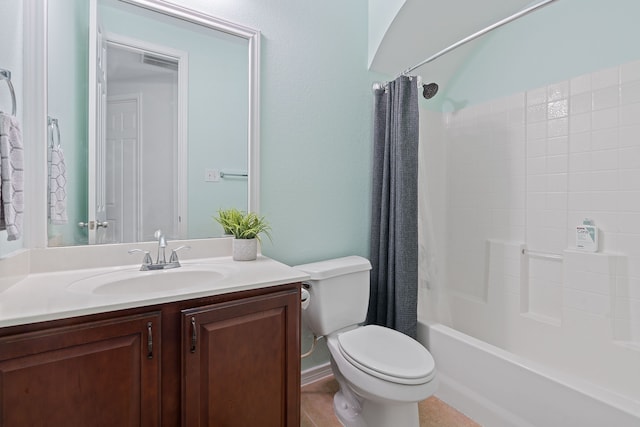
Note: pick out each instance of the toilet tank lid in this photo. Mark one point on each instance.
(335, 267)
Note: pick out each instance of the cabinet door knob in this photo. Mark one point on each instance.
(194, 335)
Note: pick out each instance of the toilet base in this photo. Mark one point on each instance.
(353, 410)
(373, 414)
(347, 410)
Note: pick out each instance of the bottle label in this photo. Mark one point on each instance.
(586, 238)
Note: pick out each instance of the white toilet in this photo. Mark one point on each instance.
(382, 373)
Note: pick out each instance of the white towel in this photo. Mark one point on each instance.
(11, 176)
(57, 187)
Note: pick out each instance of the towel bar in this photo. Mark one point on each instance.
(223, 174)
(6, 75)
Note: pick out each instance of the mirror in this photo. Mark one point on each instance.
(170, 134)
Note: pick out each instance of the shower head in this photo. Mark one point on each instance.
(429, 90)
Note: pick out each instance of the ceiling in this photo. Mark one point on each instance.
(424, 27)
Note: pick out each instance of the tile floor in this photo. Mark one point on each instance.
(317, 409)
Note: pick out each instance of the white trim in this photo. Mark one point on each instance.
(183, 148)
(195, 17)
(316, 373)
(34, 124)
(92, 120)
(253, 130)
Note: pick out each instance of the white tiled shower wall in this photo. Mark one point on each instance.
(522, 172)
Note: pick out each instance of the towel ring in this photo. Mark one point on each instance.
(6, 76)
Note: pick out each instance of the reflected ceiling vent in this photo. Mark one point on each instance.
(160, 61)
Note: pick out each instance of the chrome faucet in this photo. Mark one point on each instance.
(162, 244)
(146, 262)
(161, 260)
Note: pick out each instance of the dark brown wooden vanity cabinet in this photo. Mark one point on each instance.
(241, 362)
(98, 373)
(230, 360)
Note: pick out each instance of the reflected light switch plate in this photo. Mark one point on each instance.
(211, 175)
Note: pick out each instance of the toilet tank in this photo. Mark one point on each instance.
(339, 291)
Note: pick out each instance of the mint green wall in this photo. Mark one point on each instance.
(68, 55)
(565, 39)
(316, 120)
(316, 126)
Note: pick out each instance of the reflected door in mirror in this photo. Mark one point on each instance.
(142, 142)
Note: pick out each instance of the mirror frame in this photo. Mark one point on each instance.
(36, 54)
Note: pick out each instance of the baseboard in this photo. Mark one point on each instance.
(316, 373)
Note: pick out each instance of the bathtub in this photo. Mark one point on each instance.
(497, 388)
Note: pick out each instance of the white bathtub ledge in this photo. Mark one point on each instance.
(499, 389)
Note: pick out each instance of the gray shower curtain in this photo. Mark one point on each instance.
(394, 222)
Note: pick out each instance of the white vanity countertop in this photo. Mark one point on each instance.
(56, 295)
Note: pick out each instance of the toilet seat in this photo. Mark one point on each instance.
(387, 354)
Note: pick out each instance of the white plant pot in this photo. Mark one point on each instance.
(245, 249)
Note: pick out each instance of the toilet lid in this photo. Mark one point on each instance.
(387, 354)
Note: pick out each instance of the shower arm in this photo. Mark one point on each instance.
(478, 34)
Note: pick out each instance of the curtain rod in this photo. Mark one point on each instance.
(478, 34)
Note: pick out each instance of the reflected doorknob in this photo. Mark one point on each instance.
(93, 224)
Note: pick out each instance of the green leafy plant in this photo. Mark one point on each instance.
(243, 225)
(227, 218)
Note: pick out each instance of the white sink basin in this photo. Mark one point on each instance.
(134, 281)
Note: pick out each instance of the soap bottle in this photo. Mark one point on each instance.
(587, 236)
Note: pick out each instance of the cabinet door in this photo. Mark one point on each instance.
(241, 362)
(104, 373)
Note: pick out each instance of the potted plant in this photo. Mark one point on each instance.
(227, 218)
(246, 228)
